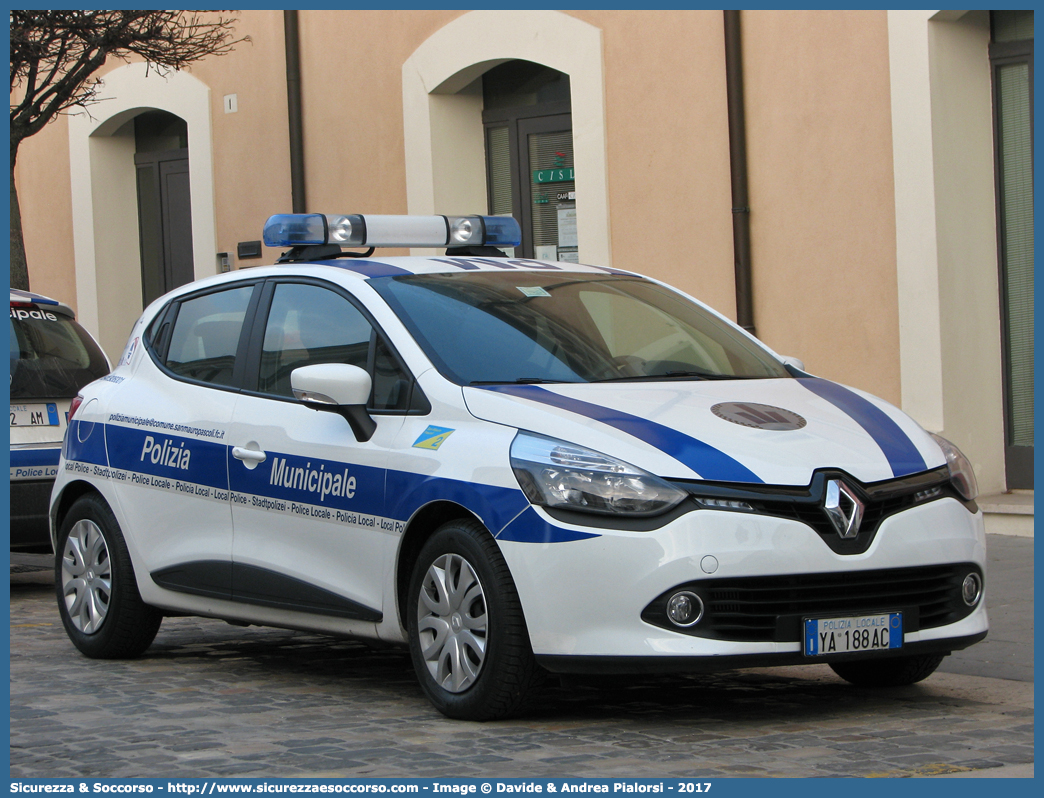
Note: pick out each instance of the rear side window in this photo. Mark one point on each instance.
(52, 356)
(206, 334)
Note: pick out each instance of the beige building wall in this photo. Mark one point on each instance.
(666, 154)
(42, 174)
(821, 192)
(848, 114)
(668, 148)
(353, 128)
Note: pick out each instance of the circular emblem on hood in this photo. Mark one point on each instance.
(751, 414)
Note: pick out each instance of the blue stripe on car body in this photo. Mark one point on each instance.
(375, 491)
(704, 459)
(496, 506)
(367, 268)
(85, 442)
(529, 527)
(901, 453)
(161, 455)
(32, 458)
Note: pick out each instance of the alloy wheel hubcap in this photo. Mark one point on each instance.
(452, 623)
(86, 576)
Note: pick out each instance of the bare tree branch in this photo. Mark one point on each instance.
(55, 54)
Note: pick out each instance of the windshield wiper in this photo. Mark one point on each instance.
(521, 381)
(677, 375)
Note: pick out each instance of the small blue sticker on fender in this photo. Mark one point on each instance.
(432, 438)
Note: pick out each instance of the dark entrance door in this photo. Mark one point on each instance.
(529, 156)
(549, 193)
(164, 221)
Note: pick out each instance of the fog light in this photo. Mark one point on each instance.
(971, 590)
(684, 608)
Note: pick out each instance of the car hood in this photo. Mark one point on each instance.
(776, 432)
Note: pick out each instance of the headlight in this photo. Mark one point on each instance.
(554, 473)
(961, 472)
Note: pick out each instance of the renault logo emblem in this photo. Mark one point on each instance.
(844, 508)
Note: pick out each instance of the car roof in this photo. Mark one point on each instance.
(370, 267)
(20, 297)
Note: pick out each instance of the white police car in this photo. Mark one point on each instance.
(516, 467)
(51, 359)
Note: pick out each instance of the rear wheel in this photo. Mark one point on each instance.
(891, 672)
(467, 633)
(98, 598)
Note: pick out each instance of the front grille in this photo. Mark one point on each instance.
(814, 516)
(770, 608)
(805, 504)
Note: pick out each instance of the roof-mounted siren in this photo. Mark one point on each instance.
(318, 236)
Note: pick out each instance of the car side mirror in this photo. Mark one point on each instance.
(336, 388)
(792, 363)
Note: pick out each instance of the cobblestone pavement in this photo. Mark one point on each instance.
(209, 699)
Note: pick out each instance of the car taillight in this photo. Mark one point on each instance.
(74, 406)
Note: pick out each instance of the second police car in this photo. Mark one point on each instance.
(516, 467)
(52, 358)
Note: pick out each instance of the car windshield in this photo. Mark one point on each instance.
(52, 356)
(515, 326)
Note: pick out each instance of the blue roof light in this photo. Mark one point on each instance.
(502, 231)
(294, 230)
(308, 229)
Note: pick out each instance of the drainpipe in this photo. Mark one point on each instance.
(293, 103)
(738, 157)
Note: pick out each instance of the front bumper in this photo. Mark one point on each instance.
(584, 599)
(711, 664)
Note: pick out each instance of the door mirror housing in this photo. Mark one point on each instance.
(337, 388)
(792, 363)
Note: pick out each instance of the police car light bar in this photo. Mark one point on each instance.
(309, 229)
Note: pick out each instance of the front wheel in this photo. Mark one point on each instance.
(98, 598)
(468, 637)
(891, 672)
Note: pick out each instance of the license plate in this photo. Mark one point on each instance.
(852, 634)
(36, 415)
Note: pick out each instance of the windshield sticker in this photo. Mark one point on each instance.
(532, 290)
(432, 438)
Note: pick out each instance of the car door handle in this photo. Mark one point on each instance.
(250, 457)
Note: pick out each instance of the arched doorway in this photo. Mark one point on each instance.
(444, 125)
(105, 202)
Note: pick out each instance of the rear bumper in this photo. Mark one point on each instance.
(30, 529)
